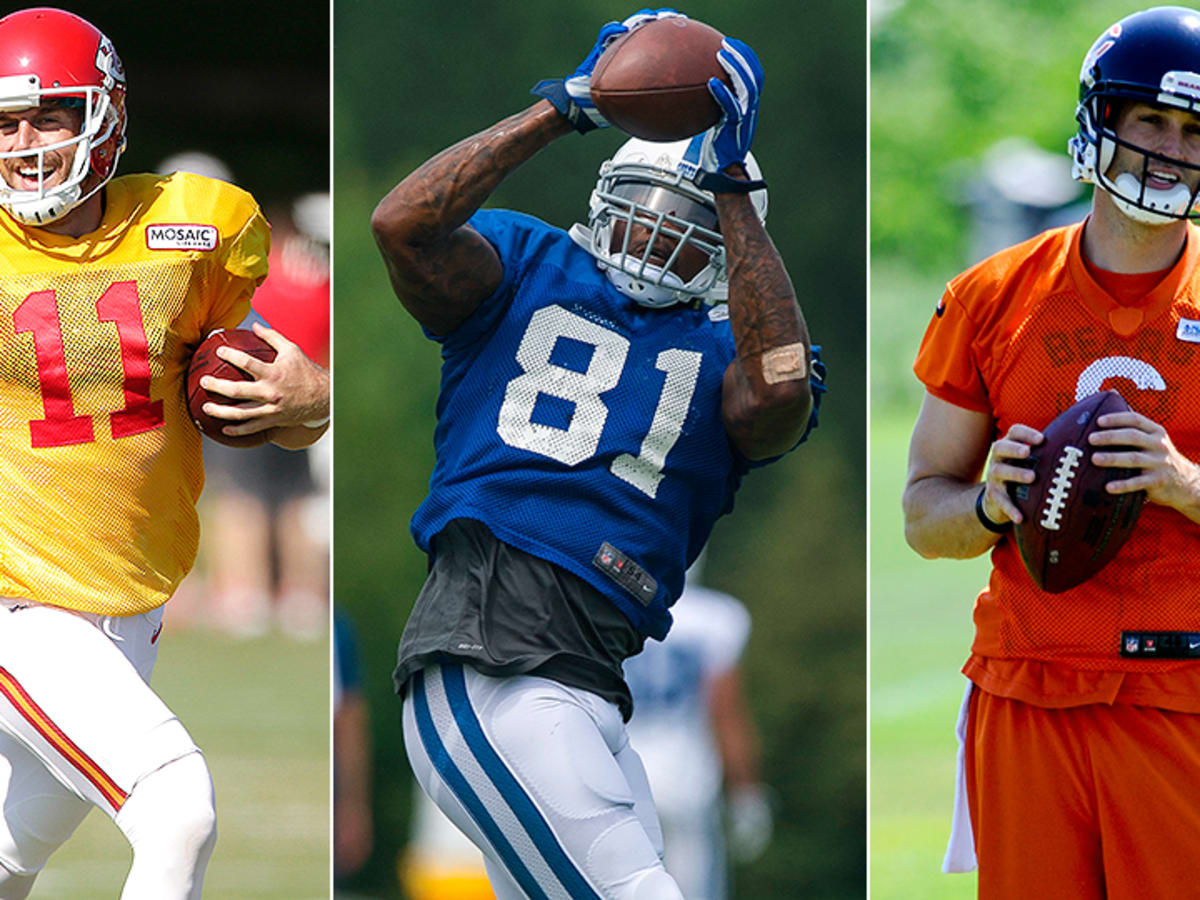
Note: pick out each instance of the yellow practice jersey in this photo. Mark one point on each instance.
(100, 464)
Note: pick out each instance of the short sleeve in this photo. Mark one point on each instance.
(946, 363)
(517, 240)
(240, 267)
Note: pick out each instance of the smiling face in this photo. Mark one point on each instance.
(1162, 172)
(31, 129)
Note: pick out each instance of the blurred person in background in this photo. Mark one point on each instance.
(353, 822)
(1078, 771)
(103, 462)
(558, 534)
(265, 546)
(693, 730)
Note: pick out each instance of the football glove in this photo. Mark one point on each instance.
(572, 96)
(728, 142)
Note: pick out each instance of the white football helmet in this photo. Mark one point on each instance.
(646, 215)
(49, 55)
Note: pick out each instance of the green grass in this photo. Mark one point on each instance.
(259, 709)
(920, 635)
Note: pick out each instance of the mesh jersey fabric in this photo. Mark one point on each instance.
(570, 417)
(100, 464)
(1023, 335)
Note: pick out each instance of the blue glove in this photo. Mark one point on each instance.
(572, 96)
(728, 142)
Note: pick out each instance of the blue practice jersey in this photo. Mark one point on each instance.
(581, 427)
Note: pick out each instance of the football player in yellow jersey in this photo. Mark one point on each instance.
(105, 289)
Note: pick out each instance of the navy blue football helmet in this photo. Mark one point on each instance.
(1151, 56)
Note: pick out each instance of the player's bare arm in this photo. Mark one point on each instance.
(439, 267)
(1167, 476)
(766, 396)
(949, 448)
(289, 394)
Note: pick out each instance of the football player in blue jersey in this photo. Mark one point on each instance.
(599, 406)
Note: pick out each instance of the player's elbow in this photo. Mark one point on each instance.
(916, 531)
(914, 536)
(777, 419)
(390, 227)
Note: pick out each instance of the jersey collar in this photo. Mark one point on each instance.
(1127, 321)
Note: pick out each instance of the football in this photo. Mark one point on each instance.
(206, 362)
(652, 82)
(1072, 527)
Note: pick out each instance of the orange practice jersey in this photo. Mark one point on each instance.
(1022, 336)
(100, 464)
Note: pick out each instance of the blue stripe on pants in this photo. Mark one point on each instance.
(440, 757)
(530, 817)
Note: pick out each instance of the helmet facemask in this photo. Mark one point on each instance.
(1095, 146)
(1150, 57)
(654, 233)
(100, 124)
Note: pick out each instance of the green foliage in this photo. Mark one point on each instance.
(411, 81)
(948, 79)
(920, 632)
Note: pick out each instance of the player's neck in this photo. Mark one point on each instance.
(1115, 242)
(83, 219)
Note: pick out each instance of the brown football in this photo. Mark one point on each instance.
(1071, 525)
(206, 362)
(652, 82)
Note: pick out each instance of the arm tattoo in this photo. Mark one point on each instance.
(439, 269)
(767, 397)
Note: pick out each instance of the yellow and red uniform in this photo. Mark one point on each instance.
(100, 464)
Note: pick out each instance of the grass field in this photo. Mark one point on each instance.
(920, 631)
(259, 709)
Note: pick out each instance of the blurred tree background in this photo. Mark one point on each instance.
(949, 80)
(411, 79)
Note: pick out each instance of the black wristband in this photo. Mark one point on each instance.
(720, 183)
(994, 527)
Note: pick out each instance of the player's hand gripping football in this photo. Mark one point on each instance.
(291, 390)
(1168, 477)
(572, 96)
(728, 142)
(1016, 444)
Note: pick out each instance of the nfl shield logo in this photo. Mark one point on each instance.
(1131, 643)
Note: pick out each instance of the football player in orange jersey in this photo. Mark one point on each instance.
(105, 288)
(1080, 770)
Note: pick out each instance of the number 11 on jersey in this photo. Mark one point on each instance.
(38, 315)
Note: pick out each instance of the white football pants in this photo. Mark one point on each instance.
(541, 777)
(80, 727)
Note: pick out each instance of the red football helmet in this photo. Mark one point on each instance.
(47, 55)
